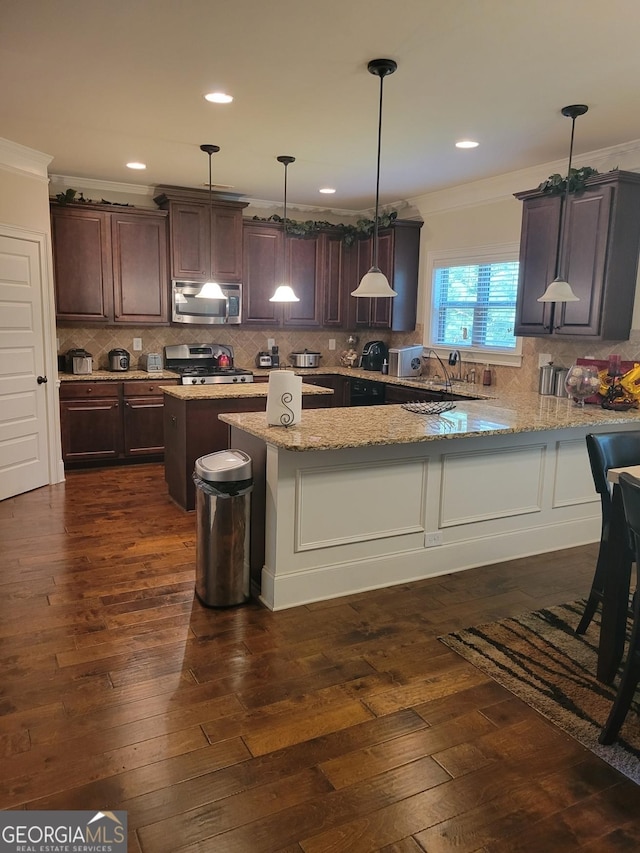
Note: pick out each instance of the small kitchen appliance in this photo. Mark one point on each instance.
(405, 361)
(373, 355)
(305, 358)
(79, 362)
(151, 362)
(188, 307)
(119, 359)
(204, 364)
(264, 359)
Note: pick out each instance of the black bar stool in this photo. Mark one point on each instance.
(630, 488)
(606, 450)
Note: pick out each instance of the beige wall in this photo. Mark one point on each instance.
(24, 200)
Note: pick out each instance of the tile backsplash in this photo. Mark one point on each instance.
(247, 343)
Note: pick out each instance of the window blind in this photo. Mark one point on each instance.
(474, 305)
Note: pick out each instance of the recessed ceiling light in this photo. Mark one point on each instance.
(467, 143)
(218, 98)
(136, 165)
(327, 190)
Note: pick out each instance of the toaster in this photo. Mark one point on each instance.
(405, 361)
(151, 362)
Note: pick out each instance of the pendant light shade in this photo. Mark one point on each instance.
(560, 290)
(210, 289)
(284, 292)
(374, 283)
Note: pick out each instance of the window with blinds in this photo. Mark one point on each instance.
(474, 305)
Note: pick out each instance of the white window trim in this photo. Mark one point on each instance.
(496, 253)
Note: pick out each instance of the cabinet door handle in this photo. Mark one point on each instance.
(41, 380)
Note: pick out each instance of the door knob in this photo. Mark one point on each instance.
(41, 380)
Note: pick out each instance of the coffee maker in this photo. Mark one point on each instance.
(373, 354)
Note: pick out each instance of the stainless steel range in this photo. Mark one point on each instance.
(204, 364)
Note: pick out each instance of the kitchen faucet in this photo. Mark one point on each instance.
(456, 358)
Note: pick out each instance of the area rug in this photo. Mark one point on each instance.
(538, 658)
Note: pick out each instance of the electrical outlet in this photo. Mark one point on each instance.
(433, 539)
(137, 344)
(544, 358)
(271, 342)
(332, 343)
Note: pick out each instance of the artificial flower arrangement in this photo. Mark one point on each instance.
(620, 392)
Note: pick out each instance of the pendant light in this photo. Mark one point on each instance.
(374, 283)
(284, 292)
(210, 289)
(560, 290)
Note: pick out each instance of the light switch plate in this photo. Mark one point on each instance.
(137, 344)
(271, 342)
(332, 343)
(544, 358)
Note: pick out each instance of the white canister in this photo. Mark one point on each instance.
(284, 398)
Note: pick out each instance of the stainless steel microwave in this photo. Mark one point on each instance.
(187, 307)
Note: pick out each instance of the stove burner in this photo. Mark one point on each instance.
(198, 364)
(214, 376)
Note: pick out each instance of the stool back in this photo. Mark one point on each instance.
(610, 450)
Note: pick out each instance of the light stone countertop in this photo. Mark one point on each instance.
(118, 376)
(226, 391)
(336, 428)
(461, 388)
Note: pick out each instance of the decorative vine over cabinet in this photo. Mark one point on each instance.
(110, 265)
(189, 216)
(598, 255)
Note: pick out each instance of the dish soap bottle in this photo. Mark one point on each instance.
(486, 375)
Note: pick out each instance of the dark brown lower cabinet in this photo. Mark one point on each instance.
(91, 421)
(339, 384)
(111, 421)
(403, 394)
(192, 429)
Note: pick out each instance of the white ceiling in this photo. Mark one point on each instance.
(97, 83)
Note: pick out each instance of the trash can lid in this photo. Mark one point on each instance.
(224, 466)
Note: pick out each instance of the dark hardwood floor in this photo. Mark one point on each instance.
(342, 726)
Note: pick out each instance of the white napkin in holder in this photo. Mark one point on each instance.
(284, 398)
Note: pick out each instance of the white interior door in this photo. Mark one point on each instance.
(24, 451)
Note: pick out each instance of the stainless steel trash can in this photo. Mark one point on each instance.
(224, 482)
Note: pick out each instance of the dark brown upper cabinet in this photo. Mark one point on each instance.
(598, 254)
(189, 216)
(323, 272)
(110, 265)
(398, 256)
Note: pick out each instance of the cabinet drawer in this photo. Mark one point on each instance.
(144, 388)
(77, 390)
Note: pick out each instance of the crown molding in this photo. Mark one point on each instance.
(490, 190)
(20, 159)
(103, 186)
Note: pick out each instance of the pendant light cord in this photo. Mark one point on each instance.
(564, 206)
(284, 230)
(375, 225)
(210, 224)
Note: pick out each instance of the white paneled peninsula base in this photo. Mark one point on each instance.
(356, 499)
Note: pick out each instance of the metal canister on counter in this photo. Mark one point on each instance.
(559, 376)
(546, 382)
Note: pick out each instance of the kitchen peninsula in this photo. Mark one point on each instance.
(350, 500)
(192, 427)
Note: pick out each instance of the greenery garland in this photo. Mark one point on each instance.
(556, 184)
(350, 233)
